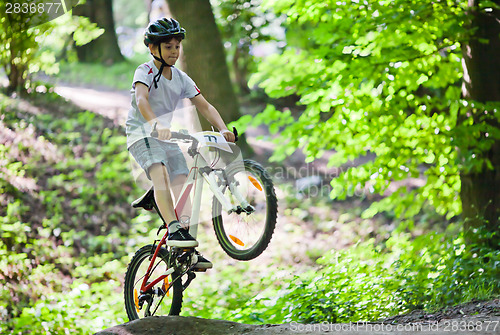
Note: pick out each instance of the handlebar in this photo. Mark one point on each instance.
(173, 135)
(186, 137)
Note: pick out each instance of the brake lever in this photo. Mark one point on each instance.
(154, 132)
(235, 132)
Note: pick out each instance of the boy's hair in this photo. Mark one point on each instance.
(168, 39)
(163, 30)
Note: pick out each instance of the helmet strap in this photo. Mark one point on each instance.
(157, 77)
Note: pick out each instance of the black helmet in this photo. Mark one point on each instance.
(160, 30)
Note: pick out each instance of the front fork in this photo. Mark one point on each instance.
(242, 204)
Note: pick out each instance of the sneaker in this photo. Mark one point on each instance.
(203, 263)
(180, 237)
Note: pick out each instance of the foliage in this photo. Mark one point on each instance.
(368, 282)
(19, 45)
(61, 312)
(68, 30)
(379, 77)
(22, 53)
(65, 187)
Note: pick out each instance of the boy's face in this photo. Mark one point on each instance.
(169, 50)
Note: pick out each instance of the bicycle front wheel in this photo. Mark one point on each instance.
(245, 234)
(159, 300)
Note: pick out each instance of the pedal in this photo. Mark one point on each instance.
(185, 255)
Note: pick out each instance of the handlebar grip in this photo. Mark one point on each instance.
(180, 136)
(174, 135)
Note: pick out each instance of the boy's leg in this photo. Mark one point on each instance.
(177, 185)
(159, 176)
(177, 236)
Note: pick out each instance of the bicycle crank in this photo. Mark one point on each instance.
(191, 276)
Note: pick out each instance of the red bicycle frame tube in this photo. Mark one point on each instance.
(182, 201)
(144, 287)
(184, 196)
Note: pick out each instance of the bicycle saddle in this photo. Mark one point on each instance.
(146, 201)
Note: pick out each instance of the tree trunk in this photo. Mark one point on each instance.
(16, 80)
(16, 74)
(480, 190)
(206, 60)
(241, 70)
(105, 48)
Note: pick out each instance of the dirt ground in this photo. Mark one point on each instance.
(471, 318)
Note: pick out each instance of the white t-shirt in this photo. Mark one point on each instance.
(163, 100)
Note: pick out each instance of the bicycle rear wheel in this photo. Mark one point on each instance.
(245, 235)
(162, 302)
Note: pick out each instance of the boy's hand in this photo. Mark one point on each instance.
(163, 134)
(228, 135)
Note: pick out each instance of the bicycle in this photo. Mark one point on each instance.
(244, 212)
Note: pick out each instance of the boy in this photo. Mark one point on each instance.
(157, 88)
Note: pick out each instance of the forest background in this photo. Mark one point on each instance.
(378, 121)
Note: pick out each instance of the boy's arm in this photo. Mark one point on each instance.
(142, 100)
(212, 115)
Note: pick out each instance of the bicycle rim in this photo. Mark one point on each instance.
(244, 236)
(167, 304)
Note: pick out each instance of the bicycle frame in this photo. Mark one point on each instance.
(203, 169)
